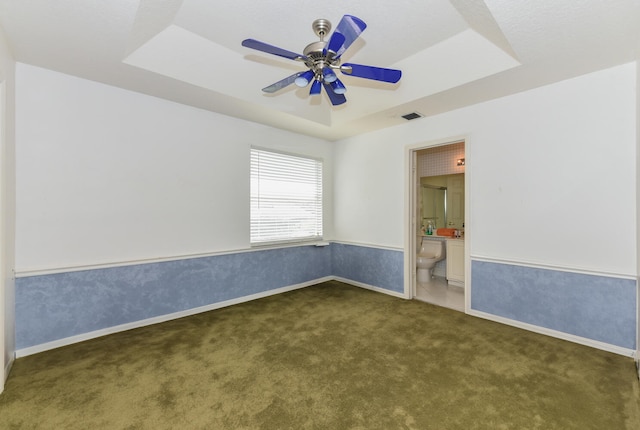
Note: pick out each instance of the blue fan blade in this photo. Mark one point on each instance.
(269, 49)
(281, 84)
(336, 42)
(350, 27)
(336, 99)
(370, 72)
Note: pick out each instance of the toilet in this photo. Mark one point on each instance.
(431, 251)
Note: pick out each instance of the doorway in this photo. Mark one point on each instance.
(440, 166)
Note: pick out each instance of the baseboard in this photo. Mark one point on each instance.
(370, 287)
(23, 352)
(453, 283)
(554, 333)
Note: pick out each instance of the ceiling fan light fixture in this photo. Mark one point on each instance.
(338, 87)
(316, 87)
(329, 75)
(304, 79)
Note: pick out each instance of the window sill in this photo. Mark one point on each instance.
(287, 244)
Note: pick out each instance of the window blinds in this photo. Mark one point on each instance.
(286, 197)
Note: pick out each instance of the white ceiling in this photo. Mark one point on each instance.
(452, 52)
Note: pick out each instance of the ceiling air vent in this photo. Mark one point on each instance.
(412, 115)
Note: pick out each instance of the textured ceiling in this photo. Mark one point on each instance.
(452, 52)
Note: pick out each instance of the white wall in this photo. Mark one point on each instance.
(368, 197)
(7, 209)
(552, 175)
(108, 175)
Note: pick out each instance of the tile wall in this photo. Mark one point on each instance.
(440, 160)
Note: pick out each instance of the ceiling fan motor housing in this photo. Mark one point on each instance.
(318, 57)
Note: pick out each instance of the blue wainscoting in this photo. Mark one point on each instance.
(595, 307)
(381, 268)
(56, 306)
(52, 307)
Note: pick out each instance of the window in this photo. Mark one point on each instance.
(286, 197)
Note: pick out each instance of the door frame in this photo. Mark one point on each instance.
(411, 206)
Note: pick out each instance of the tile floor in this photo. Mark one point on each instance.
(439, 292)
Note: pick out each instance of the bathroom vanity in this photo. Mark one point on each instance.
(455, 262)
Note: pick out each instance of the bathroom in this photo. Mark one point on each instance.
(441, 213)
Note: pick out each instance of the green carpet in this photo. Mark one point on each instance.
(330, 356)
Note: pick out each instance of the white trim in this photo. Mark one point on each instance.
(468, 232)
(7, 369)
(26, 272)
(369, 245)
(159, 319)
(554, 333)
(410, 224)
(34, 271)
(370, 287)
(537, 265)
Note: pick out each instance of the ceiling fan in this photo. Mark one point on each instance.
(323, 59)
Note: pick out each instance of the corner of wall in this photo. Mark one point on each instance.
(7, 209)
